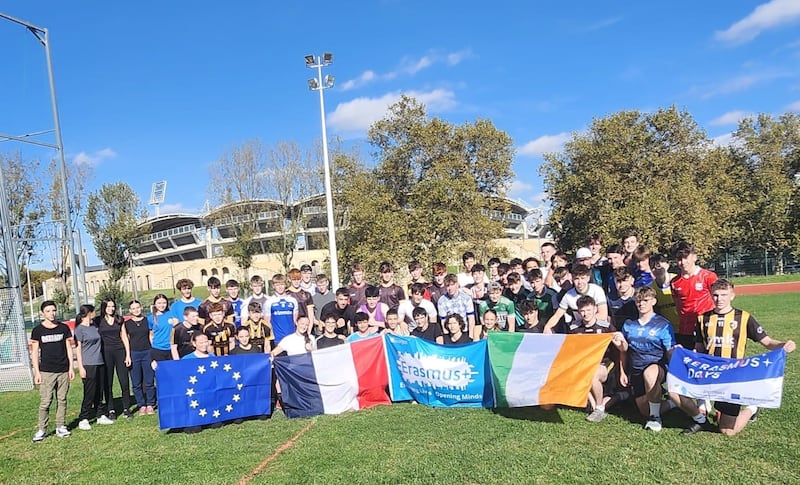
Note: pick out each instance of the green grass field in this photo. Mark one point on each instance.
(408, 443)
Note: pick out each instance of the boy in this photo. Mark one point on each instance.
(232, 288)
(424, 329)
(493, 264)
(245, 345)
(478, 289)
(415, 271)
(604, 380)
(258, 295)
(342, 310)
(184, 285)
(374, 309)
(390, 293)
(661, 280)
(214, 296)
(304, 299)
(322, 296)
(630, 241)
(517, 294)
(363, 328)
(329, 337)
(465, 277)
(281, 309)
(417, 300)
(723, 332)
(503, 308)
(641, 267)
(182, 334)
(616, 259)
(645, 345)
(436, 289)
(691, 291)
(623, 308)
(530, 312)
(357, 286)
(306, 273)
(259, 331)
(568, 306)
(545, 298)
(394, 325)
(51, 354)
(220, 333)
(456, 301)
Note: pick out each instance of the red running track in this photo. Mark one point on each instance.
(768, 288)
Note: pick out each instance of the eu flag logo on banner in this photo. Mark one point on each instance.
(196, 392)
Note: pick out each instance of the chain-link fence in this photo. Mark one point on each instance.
(754, 263)
(15, 363)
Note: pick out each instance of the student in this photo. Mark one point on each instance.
(456, 301)
(142, 376)
(305, 302)
(375, 309)
(602, 387)
(281, 309)
(546, 251)
(645, 346)
(623, 308)
(363, 329)
(616, 259)
(493, 264)
(630, 241)
(517, 293)
(329, 337)
(489, 324)
(465, 277)
(298, 342)
(661, 284)
(220, 333)
(424, 329)
(90, 366)
(51, 354)
(306, 282)
(436, 289)
(503, 308)
(641, 267)
(415, 273)
(545, 298)
(559, 260)
(185, 286)
(479, 289)
(568, 306)
(246, 346)
(416, 300)
(258, 295)
(343, 311)
(232, 289)
(357, 286)
(723, 332)
(200, 343)
(182, 335)
(563, 280)
(394, 325)
(530, 314)
(116, 355)
(691, 291)
(160, 322)
(455, 336)
(214, 296)
(390, 293)
(322, 296)
(259, 331)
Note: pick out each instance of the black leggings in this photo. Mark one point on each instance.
(92, 391)
(115, 360)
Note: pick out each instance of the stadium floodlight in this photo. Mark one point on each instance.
(157, 194)
(318, 85)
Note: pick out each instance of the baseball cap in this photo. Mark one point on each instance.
(583, 253)
(305, 267)
(494, 285)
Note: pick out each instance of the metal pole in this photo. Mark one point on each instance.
(30, 283)
(328, 193)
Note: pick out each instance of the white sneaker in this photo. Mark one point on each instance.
(596, 416)
(39, 436)
(104, 420)
(653, 424)
(62, 432)
(84, 425)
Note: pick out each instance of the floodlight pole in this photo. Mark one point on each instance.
(317, 64)
(43, 36)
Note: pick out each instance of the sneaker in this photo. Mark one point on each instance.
(112, 415)
(104, 420)
(150, 410)
(754, 417)
(596, 416)
(653, 424)
(127, 414)
(698, 427)
(84, 425)
(39, 436)
(62, 432)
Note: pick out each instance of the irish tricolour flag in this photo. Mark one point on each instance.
(534, 369)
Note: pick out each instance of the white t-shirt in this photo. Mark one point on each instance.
(295, 344)
(569, 302)
(406, 307)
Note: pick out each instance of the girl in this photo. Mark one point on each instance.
(91, 367)
(298, 342)
(455, 323)
(137, 331)
(489, 324)
(201, 344)
(116, 355)
(160, 323)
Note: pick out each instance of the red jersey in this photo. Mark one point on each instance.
(692, 295)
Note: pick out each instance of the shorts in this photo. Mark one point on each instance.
(610, 385)
(727, 408)
(636, 381)
(159, 355)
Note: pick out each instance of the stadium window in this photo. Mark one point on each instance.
(203, 275)
(149, 283)
(226, 273)
(214, 272)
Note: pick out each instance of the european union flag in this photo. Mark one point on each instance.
(196, 392)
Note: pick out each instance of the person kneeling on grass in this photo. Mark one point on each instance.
(201, 343)
(363, 328)
(645, 345)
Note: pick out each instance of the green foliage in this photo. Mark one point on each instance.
(25, 208)
(112, 290)
(61, 297)
(114, 218)
(431, 193)
(656, 173)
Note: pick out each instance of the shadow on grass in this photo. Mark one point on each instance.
(531, 413)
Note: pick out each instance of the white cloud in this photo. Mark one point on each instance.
(174, 209)
(739, 83)
(519, 188)
(358, 114)
(767, 16)
(95, 158)
(794, 106)
(409, 66)
(365, 77)
(544, 144)
(414, 67)
(454, 58)
(730, 118)
(723, 140)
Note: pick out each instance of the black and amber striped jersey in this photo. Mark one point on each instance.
(725, 335)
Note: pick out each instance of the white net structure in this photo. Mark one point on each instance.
(15, 362)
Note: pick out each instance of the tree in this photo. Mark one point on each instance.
(114, 217)
(654, 172)
(432, 192)
(25, 207)
(770, 150)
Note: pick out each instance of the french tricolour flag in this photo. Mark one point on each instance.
(333, 380)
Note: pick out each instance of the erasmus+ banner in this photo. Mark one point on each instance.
(755, 380)
(438, 375)
(195, 392)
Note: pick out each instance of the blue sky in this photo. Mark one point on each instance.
(160, 90)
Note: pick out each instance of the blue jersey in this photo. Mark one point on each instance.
(178, 306)
(648, 343)
(237, 311)
(162, 329)
(282, 311)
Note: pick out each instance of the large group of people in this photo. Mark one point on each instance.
(625, 291)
